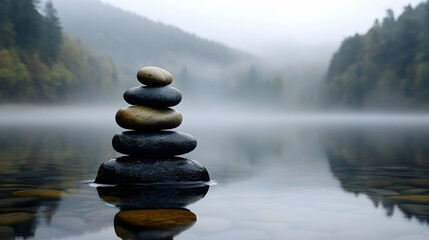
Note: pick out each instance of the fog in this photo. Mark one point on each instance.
(263, 27)
(249, 56)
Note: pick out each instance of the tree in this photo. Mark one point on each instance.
(51, 40)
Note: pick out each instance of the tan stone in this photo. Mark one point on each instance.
(40, 193)
(154, 76)
(412, 198)
(157, 218)
(15, 218)
(147, 118)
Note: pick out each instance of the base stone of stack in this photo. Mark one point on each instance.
(132, 170)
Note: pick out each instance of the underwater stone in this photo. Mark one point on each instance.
(148, 118)
(165, 96)
(7, 233)
(40, 193)
(129, 170)
(154, 76)
(15, 218)
(154, 144)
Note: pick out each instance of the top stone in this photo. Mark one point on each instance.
(154, 76)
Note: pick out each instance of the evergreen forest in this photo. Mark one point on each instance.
(388, 67)
(38, 62)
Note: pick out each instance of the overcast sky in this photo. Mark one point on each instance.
(255, 25)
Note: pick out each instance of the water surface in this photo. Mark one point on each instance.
(278, 177)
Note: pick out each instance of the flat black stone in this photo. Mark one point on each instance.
(153, 144)
(164, 96)
(129, 197)
(132, 170)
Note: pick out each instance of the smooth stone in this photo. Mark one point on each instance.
(128, 197)
(7, 233)
(18, 202)
(414, 191)
(128, 170)
(384, 192)
(154, 76)
(148, 118)
(378, 183)
(416, 182)
(154, 144)
(40, 193)
(412, 198)
(161, 97)
(153, 223)
(15, 218)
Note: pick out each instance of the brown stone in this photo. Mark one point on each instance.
(40, 193)
(147, 118)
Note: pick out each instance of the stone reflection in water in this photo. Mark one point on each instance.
(392, 170)
(153, 223)
(146, 197)
(152, 212)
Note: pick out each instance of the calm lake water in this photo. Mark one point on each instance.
(277, 177)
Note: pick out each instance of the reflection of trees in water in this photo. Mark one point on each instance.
(54, 157)
(390, 166)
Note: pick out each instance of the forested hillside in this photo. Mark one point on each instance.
(386, 67)
(134, 41)
(40, 63)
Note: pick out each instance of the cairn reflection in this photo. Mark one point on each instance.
(393, 171)
(153, 223)
(152, 212)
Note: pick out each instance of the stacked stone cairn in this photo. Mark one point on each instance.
(151, 149)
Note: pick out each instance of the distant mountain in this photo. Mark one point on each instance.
(133, 41)
(386, 67)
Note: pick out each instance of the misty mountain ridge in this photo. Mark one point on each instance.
(134, 41)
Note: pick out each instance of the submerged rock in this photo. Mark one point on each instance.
(153, 223)
(127, 170)
(164, 96)
(412, 198)
(154, 144)
(9, 219)
(147, 197)
(18, 202)
(7, 233)
(147, 118)
(40, 193)
(154, 76)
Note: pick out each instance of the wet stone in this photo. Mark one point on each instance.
(414, 191)
(154, 144)
(384, 192)
(40, 193)
(148, 118)
(412, 198)
(15, 218)
(126, 170)
(18, 202)
(154, 76)
(7, 233)
(160, 97)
